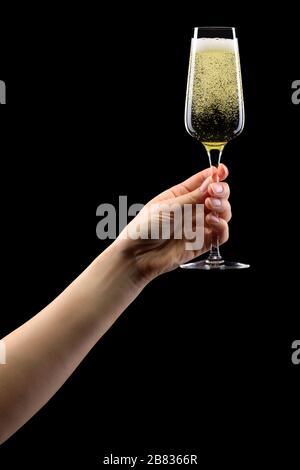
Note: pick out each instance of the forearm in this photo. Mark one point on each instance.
(43, 352)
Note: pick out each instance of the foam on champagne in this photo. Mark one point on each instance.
(214, 97)
(214, 44)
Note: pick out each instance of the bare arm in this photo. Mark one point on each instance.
(44, 352)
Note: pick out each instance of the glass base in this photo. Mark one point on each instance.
(207, 265)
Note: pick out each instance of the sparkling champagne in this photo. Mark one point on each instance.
(214, 111)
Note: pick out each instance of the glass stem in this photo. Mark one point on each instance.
(214, 156)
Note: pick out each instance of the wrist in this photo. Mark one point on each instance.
(118, 264)
(131, 254)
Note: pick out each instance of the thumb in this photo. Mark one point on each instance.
(197, 196)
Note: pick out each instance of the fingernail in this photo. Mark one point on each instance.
(217, 188)
(216, 202)
(214, 219)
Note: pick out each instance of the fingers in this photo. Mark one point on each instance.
(220, 206)
(194, 197)
(222, 172)
(218, 200)
(219, 227)
(218, 203)
(198, 179)
(193, 183)
(219, 190)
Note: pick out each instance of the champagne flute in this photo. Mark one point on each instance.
(214, 108)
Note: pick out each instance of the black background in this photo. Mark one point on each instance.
(200, 362)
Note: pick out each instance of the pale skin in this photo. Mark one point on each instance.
(43, 353)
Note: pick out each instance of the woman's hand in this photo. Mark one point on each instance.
(42, 353)
(156, 256)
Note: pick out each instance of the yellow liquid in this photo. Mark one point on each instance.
(214, 101)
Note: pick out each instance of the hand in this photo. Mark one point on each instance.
(58, 338)
(156, 256)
